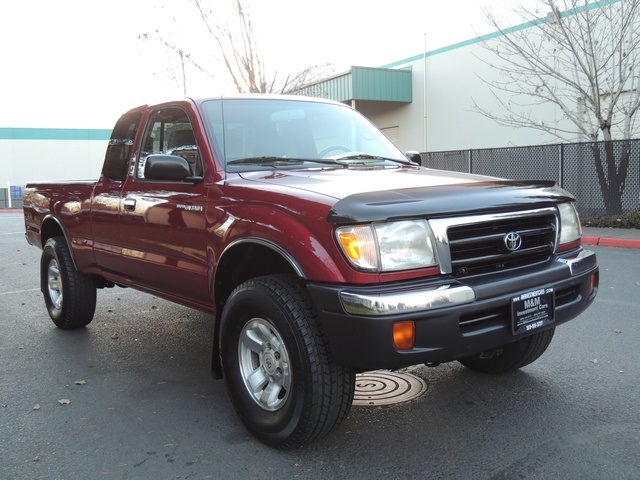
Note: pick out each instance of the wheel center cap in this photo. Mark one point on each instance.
(270, 363)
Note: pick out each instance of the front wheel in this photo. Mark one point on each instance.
(280, 375)
(69, 295)
(510, 356)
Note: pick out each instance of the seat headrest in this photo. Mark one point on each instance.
(180, 138)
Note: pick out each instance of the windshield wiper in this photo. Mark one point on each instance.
(367, 156)
(282, 161)
(343, 160)
(268, 161)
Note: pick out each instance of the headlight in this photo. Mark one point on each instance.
(386, 247)
(570, 230)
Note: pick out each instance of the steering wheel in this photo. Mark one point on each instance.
(339, 148)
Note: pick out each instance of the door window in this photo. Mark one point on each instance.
(170, 132)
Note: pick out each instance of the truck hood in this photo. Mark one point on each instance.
(382, 194)
(342, 182)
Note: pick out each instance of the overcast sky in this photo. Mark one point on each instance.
(80, 64)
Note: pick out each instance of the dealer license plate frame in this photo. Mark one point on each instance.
(532, 310)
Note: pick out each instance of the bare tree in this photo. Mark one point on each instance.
(182, 56)
(234, 46)
(581, 57)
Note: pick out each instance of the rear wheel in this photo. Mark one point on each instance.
(510, 356)
(280, 375)
(69, 295)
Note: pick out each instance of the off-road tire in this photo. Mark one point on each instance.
(279, 372)
(510, 356)
(69, 295)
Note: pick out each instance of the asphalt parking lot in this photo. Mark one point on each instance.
(131, 396)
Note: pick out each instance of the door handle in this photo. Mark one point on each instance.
(129, 204)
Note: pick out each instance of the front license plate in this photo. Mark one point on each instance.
(532, 310)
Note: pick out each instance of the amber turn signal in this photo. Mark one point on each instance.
(404, 335)
(350, 244)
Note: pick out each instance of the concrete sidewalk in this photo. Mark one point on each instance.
(601, 237)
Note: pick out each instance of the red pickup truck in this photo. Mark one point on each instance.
(319, 247)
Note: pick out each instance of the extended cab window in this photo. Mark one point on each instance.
(118, 153)
(170, 132)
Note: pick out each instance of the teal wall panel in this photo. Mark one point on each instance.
(54, 134)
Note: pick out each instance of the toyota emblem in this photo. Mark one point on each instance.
(512, 241)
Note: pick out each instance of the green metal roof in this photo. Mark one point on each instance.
(364, 83)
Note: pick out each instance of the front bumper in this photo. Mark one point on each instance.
(453, 318)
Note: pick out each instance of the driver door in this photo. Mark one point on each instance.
(162, 223)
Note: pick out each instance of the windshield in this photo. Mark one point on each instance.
(261, 133)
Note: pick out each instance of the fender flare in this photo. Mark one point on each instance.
(271, 245)
(52, 218)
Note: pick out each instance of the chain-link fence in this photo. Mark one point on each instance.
(615, 189)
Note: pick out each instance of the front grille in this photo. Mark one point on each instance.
(480, 247)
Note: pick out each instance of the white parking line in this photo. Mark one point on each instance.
(20, 291)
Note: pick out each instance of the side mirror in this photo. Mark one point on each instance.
(414, 157)
(167, 168)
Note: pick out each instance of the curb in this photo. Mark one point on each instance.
(611, 242)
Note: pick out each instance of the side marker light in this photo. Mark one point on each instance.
(404, 335)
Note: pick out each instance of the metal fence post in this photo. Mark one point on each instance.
(561, 165)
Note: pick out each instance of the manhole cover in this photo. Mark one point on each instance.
(386, 388)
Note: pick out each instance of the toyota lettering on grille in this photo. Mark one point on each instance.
(512, 241)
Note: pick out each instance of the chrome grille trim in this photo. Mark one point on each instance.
(440, 227)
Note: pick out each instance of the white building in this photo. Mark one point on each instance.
(425, 102)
